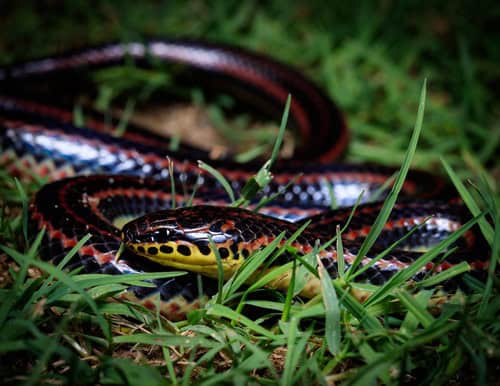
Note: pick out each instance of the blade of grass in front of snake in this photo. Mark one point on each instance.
(220, 179)
(445, 275)
(410, 323)
(387, 183)
(172, 182)
(281, 133)
(78, 116)
(249, 155)
(268, 199)
(220, 270)
(389, 249)
(256, 261)
(414, 307)
(164, 339)
(491, 202)
(92, 279)
(196, 186)
(174, 142)
(119, 252)
(289, 293)
(263, 281)
(389, 202)
(331, 194)
(333, 333)
(289, 241)
(269, 276)
(307, 262)
(402, 276)
(340, 253)
(226, 312)
(250, 266)
(263, 176)
(469, 201)
(274, 273)
(358, 310)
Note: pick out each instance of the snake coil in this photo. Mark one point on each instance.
(122, 178)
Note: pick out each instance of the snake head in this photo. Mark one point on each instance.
(191, 238)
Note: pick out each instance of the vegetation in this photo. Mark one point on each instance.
(58, 326)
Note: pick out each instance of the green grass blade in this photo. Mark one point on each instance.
(219, 177)
(93, 279)
(406, 274)
(252, 265)
(389, 249)
(281, 133)
(289, 293)
(359, 311)
(220, 270)
(443, 276)
(332, 310)
(423, 316)
(67, 280)
(469, 201)
(162, 340)
(396, 188)
(49, 281)
(25, 215)
(226, 312)
(262, 178)
(172, 182)
(340, 253)
(495, 249)
(295, 350)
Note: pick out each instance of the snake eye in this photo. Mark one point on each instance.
(161, 234)
(128, 235)
(142, 226)
(163, 231)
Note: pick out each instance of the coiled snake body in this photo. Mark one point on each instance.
(121, 178)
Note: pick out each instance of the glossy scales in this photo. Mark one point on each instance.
(44, 139)
(36, 137)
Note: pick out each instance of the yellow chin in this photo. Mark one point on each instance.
(191, 259)
(187, 257)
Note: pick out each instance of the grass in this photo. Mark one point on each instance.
(58, 327)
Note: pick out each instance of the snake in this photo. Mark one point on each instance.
(134, 190)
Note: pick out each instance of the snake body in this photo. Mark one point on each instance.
(134, 175)
(181, 238)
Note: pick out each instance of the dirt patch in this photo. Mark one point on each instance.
(190, 122)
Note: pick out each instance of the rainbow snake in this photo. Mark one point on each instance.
(120, 178)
